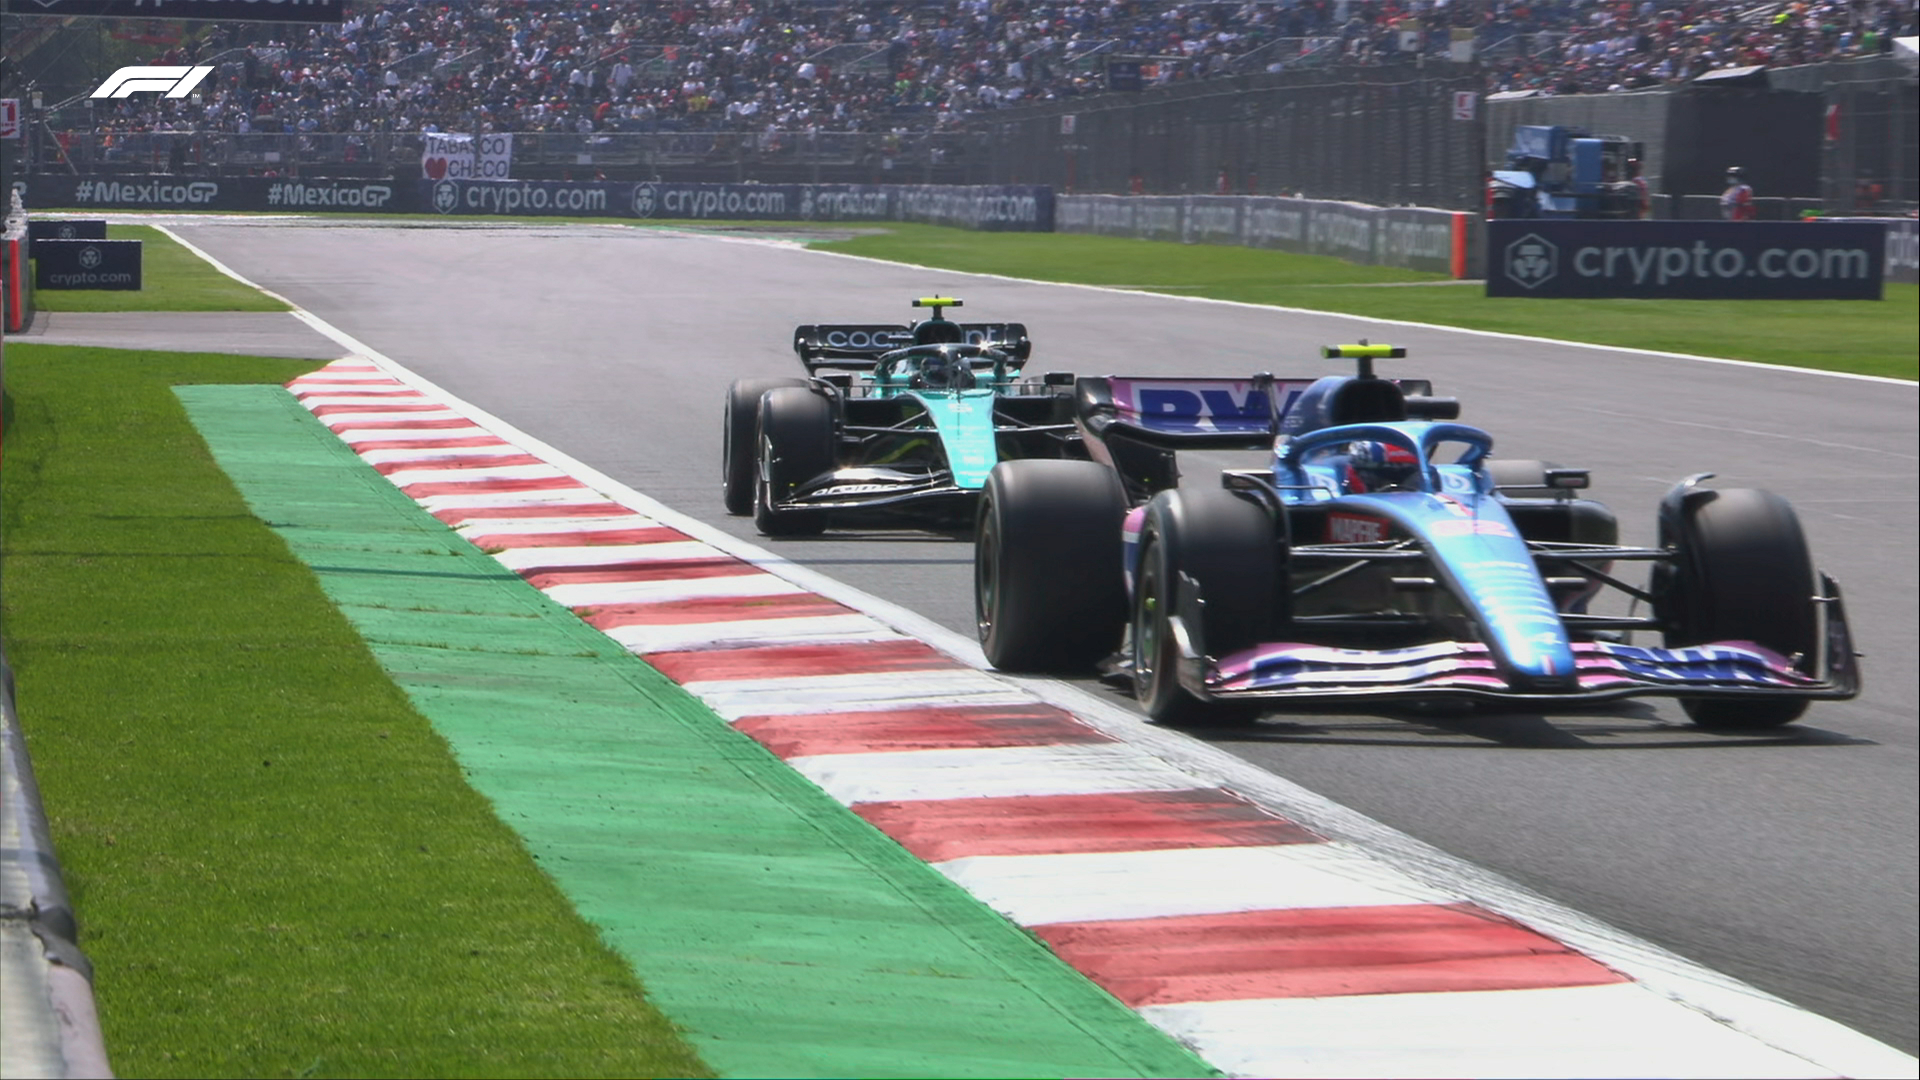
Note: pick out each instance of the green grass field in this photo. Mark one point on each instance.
(279, 868)
(171, 279)
(278, 865)
(1860, 336)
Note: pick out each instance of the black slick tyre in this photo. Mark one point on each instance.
(1742, 572)
(1049, 591)
(739, 430)
(1225, 546)
(795, 429)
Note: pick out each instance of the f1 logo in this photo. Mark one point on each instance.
(175, 82)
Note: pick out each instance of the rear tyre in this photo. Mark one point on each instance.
(738, 435)
(1048, 586)
(795, 429)
(1226, 546)
(1742, 572)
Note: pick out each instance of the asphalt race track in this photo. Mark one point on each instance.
(1786, 859)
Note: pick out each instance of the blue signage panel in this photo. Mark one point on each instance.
(1903, 243)
(39, 229)
(1688, 260)
(86, 264)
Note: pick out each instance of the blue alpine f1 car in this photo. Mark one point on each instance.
(894, 426)
(1384, 554)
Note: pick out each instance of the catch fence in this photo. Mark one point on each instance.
(1870, 149)
(1409, 134)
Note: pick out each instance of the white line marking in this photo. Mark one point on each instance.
(407, 477)
(657, 592)
(426, 456)
(359, 395)
(1613, 1030)
(372, 400)
(584, 526)
(1035, 890)
(865, 692)
(353, 438)
(990, 773)
(752, 633)
(383, 417)
(588, 557)
(507, 500)
(1374, 321)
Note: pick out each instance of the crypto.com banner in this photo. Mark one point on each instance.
(982, 207)
(1691, 260)
(1903, 244)
(297, 11)
(1413, 237)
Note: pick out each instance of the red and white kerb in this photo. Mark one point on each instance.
(1268, 949)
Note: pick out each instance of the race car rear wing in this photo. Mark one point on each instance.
(1223, 414)
(857, 346)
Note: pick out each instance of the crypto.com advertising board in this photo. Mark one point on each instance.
(1690, 260)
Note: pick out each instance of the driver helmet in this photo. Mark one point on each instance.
(1379, 466)
(944, 371)
(1736, 173)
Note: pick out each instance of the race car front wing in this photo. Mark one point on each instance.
(1467, 669)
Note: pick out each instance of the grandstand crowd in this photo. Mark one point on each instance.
(854, 65)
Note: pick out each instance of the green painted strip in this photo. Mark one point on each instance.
(783, 933)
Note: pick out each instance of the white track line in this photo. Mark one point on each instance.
(1373, 320)
(1497, 1033)
(990, 772)
(1036, 890)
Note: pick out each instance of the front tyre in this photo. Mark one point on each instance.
(795, 428)
(1048, 586)
(739, 432)
(1742, 572)
(1226, 547)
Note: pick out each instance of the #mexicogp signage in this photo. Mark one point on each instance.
(86, 264)
(1690, 260)
(296, 11)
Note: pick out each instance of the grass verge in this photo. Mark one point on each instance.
(1860, 336)
(279, 865)
(171, 279)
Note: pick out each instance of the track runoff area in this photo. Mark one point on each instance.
(1271, 931)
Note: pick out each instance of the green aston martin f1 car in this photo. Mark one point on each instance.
(894, 426)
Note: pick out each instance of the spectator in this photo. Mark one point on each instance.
(874, 65)
(1736, 203)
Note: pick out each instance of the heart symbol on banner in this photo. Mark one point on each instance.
(436, 167)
